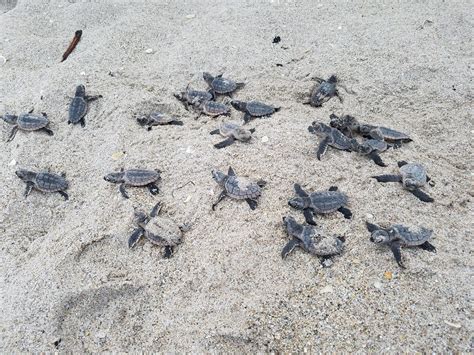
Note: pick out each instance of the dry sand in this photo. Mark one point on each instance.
(67, 275)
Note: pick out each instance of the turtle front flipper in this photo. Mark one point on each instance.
(428, 247)
(64, 194)
(309, 217)
(83, 122)
(333, 188)
(388, 178)
(92, 98)
(336, 93)
(247, 117)
(225, 143)
(12, 134)
(219, 199)
(252, 203)
(169, 250)
(123, 191)
(176, 123)
(299, 191)
(346, 212)
(29, 187)
(153, 188)
(371, 227)
(47, 131)
(135, 237)
(156, 210)
(395, 247)
(375, 157)
(421, 195)
(215, 131)
(289, 247)
(323, 146)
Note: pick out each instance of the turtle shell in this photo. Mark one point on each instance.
(241, 188)
(140, 177)
(213, 108)
(415, 173)
(339, 140)
(326, 245)
(77, 109)
(327, 201)
(163, 231)
(29, 122)
(412, 238)
(223, 86)
(392, 135)
(376, 144)
(196, 97)
(49, 182)
(258, 109)
(227, 129)
(322, 92)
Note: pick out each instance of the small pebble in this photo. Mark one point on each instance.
(264, 139)
(189, 150)
(327, 289)
(12, 163)
(117, 155)
(388, 275)
(190, 16)
(3, 60)
(327, 263)
(369, 216)
(149, 51)
(83, 73)
(378, 285)
(454, 325)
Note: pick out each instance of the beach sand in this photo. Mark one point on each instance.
(69, 281)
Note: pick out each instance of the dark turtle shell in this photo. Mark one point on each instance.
(258, 109)
(392, 135)
(140, 177)
(415, 173)
(412, 238)
(213, 108)
(327, 201)
(223, 86)
(77, 109)
(375, 144)
(322, 92)
(241, 188)
(195, 97)
(339, 140)
(49, 182)
(30, 122)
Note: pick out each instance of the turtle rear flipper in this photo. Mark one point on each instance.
(428, 247)
(176, 123)
(156, 210)
(421, 195)
(252, 203)
(388, 178)
(289, 247)
(323, 146)
(401, 163)
(346, 212)
(135, 237)
(47, 131)
(395, 247)
(12, 134)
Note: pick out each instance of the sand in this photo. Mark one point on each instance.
(69, 281)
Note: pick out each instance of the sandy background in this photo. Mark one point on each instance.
(68, 280)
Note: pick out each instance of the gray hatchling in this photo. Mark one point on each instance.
(220, 85)
(80, 105)
(232, 132)
(27, 122)
(44, 182)
(213, 109)
(320, 202)
(193, 97)
(253, 109)
(398, 236)
(311, 239)
(238, 188)
(371, 148)
(349, 124)
(158, 119)
(412, 176)
(330, 137)
(135, 177)
(323, 91)
(157, 229)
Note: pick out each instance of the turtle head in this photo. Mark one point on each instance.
(239, 105)
(208, 78)
(11, 119)
(292, 227)
(318, 128)
(380, 236)
(219, 177)
(332, 79)
(181, 96)
(142, 120)
(300, 203)
(140, 218)
(25, 175)
(80, 91)
(114, 177)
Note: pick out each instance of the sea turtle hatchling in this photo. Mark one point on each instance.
(157, 119)
(311, 239)
(27, 122)
(349, 124)
(213, 109)
(237, 187)
(253, 109)
(157, 229)
(330, 137)
(371, 148)
(135, 177)
(80, 105)
(220, 85)
(412, 176)
(193, 97)
(43, 181)
(232, 132)
(398, 236)
(320, 202)
(323, 91)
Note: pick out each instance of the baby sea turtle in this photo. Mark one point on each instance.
(412, 176)
(43, 181)
(158, 119)
(27, 122)
(213, 109)
(330, 137)
(237, 187)
(348, 124)
(193, 97)
(321, 202)
(157, 229)
(220, 85)
(253, 109)
(371, 148)
(232, 132)
(80, 105)
(310, 239)
(398, 236)
(323, 91)
(135, 177)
